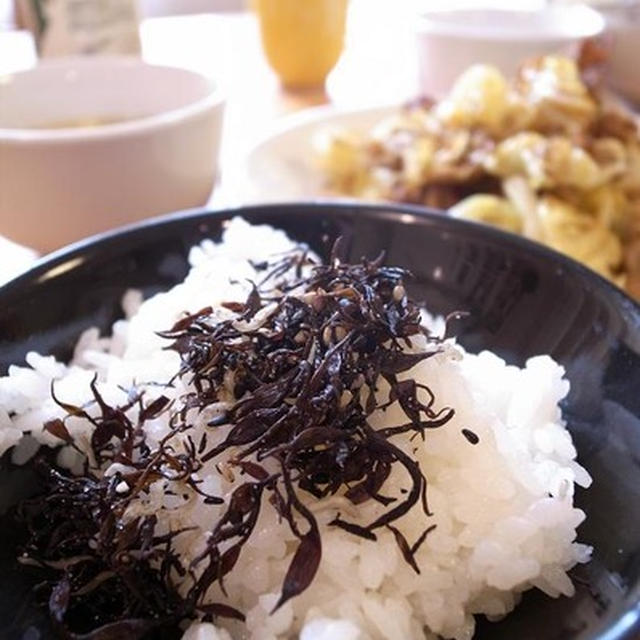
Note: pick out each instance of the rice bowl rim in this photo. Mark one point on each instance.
(120, 239)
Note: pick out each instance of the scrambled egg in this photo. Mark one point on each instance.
(542, 156)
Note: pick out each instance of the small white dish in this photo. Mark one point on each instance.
(450, 41)
(88, 144)
(280, 166)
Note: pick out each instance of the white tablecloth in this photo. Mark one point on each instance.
(17, 51)
(14, 259)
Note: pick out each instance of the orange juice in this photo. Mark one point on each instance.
(302, 39)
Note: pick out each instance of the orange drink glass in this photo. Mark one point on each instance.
(302, 39)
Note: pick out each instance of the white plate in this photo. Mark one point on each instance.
(280, 167)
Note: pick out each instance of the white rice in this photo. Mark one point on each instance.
(503, 508)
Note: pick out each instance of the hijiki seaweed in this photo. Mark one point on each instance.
(302, 359)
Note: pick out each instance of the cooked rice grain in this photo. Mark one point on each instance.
(503, 507)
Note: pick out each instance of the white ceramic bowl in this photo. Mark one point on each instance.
(152, 146)
(449, 41)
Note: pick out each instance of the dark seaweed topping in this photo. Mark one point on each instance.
(471, 436)
(112, 576)
(302, 364)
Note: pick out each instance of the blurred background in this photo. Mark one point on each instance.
(281, 72)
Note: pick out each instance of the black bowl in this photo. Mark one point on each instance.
(523, 300)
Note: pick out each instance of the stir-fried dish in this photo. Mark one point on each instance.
(546, 155)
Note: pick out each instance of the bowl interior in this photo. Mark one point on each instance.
(75, 92)
(523, 301)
